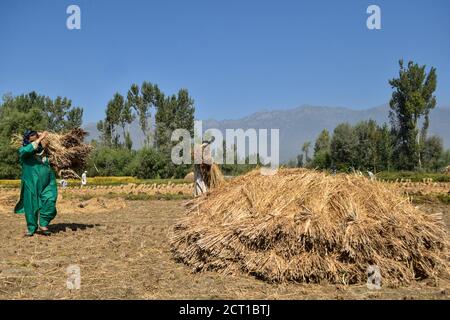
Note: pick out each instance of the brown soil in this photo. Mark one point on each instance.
(123, 252)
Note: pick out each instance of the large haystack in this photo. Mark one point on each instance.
(308, 226)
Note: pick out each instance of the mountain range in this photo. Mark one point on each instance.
(302, 124)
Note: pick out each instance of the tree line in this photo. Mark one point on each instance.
(158, 115)
(404, 145)
(31, 111)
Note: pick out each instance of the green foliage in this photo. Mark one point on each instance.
(322, 142)
(107, 161)
(366, 153)
(322, 156)
(174, 112)
(31, 111)
(152, 165)
(147, 163)
(432, 152)
(414, 176)
(412, 99)
(343, 147)
(322, 160)
(305, 150)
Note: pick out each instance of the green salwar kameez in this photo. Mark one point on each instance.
(39, 190)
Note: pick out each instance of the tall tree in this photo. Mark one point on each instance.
(126, 118)
(412, 99)
(432, 153)
(322, 150)
(343, 147)
(134, 100)
(113, 116)
(305, 150)
(385, 147)
(74, 118)
(322, 142)
(366, 156)
(173, 112)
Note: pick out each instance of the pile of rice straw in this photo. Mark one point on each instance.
(307, 226)
(67, 152)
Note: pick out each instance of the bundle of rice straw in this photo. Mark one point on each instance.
(307, 226)
(215, 176)
(67, 152)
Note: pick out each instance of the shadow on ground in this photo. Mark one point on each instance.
(64, 227)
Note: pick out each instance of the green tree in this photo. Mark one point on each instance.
(107, 161)
(305, 150)
(173, 112)
(113, 117)
(322, 142)
(385, 148)
(152, 164)
(432, 153)
(412, 99)
(343, 147)
(126, 118)
(31, 111)
(74, 118)
(366, 154)
(322, 159)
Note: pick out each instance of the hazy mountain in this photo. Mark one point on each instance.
(304, 124)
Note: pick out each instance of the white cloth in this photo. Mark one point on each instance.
(200, 184)
(83, 179)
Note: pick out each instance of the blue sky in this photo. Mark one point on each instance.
(235, 57)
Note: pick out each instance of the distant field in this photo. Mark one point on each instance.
(104, 181)
(114, 181)
(413, 176)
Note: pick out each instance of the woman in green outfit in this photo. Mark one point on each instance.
(38, 188)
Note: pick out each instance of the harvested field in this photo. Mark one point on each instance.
(184, 189)
(123, 251)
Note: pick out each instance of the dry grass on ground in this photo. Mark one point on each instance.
(123, 251)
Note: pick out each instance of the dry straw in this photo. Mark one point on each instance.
(307, 226)
(67, 152)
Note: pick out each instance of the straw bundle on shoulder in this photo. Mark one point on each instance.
(67, 152)
(307, 226)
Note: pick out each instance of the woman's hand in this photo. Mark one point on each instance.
(42, 136)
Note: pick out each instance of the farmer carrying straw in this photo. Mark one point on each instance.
(39, 191)
(207, 174)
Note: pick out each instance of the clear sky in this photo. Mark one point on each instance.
(235, 57)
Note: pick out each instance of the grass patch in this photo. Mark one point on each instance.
(419, 198)
(444, 198)
(413, 176)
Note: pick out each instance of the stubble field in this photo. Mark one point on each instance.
(119, 238)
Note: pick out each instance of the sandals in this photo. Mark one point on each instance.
(42, 231)
(45, 231)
